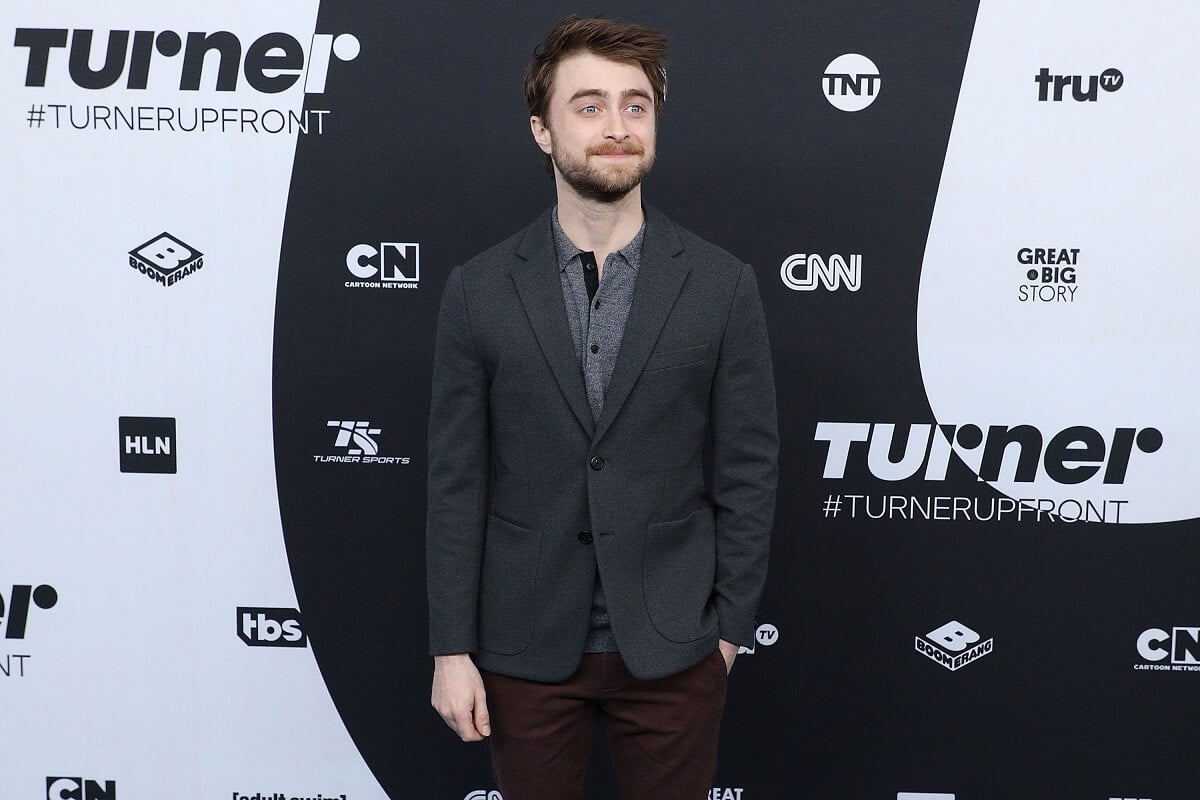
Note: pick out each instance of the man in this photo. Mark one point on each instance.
(602, 456)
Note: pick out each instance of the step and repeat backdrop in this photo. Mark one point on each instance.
(226, 231)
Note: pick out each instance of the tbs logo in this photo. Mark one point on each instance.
(393, 265)
(270, 627)
(1051, 87)
(165, 259)
(44, 597)
(80, 789)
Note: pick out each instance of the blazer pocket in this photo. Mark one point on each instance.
(679, 567)
(511, 555)
(676, 358)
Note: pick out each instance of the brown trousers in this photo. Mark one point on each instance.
(662, 732)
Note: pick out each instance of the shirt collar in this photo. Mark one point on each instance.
(568, 250)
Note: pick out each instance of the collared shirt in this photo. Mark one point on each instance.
(597, 326)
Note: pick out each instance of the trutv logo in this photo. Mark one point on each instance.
(1053, 87)
(272, 63)
(80, 789)
(270, 627)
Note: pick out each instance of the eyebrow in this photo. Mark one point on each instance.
(603, 93)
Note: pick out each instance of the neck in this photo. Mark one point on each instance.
(599, 226)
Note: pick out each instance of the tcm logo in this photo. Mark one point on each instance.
(803, 270)
(851, 82)
(1051, 274)
(14, 617)
(270, 627)
(1176, 651)
(271, 64)
(953, 645)
(165, 259)
(483, 794)
(1052, 87)
(393, 265)
(147, 444)
(766, 635)
(80, 789)
(1021, 452)
(357, 439)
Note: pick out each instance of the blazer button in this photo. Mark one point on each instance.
(597, 462)
(585, 537)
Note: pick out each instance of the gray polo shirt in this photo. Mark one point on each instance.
(597, 326)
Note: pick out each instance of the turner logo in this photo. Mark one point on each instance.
(1021, 453)
(1053, 87)
(851, 82)
(147, 444)
(1175, 651)
(80, 789)
(953, 645)
(392, 265)
(14, 617)
(356, 440)
(166, 260)
(803, 271)
(270, 627)
(272, 63)
(1051, 274)
(765, 635)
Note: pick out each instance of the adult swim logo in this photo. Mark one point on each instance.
(147, 444)
(953, 645)
(270, 627)
(851, 82)
(1050, 273)
(803, 272)
(765, 635)
(1053, 87)
(392, 265)
(23, 599)
(1174, 651)
(356, 444)
(166, 260)
(80, 789)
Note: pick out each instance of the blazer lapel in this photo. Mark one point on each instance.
(660, 278)
(540, 288)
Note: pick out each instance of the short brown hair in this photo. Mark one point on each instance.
(626, 42)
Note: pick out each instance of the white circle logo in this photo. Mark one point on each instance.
(851, 82)
(767, 634)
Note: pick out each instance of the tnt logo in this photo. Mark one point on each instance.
(766, 635)
(1051, 87)
(802, 272)
(953, 645)
(393, 265)
(17, 610)
(851, 82)
(147, 444)
(270, 627)
(165, 259)
(80, 789)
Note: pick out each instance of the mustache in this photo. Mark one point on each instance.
(627, 148)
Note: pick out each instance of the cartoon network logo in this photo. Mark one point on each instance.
(272, 63)
(80, 789)
(1175, 651)
(803, 272)
(392, 265)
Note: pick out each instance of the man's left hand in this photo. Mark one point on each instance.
(729, 652)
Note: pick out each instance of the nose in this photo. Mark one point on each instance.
(616, 128)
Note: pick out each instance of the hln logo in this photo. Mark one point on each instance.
(802, 271)
(270, 627)
(147, 444)
(80, 789)
(393, 265)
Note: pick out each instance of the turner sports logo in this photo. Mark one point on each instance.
(165, 259)
(804, 271)
(270, 627)
(953, 645)
(1175, 651)
(851, 82)
(357, 445)
(1072, 455)
(392, 265)
(1053, 87)
(271, 63)
(80, 789)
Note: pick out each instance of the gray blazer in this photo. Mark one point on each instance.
(671, 492)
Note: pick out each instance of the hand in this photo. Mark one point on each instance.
(459, 697)
(729, 651)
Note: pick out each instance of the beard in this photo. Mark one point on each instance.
(605, 183)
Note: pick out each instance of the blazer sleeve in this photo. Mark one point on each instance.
(745, 450)
(458, 475)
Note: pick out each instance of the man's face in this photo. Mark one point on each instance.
(599, 126)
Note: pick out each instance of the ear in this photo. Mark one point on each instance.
(541, 134)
